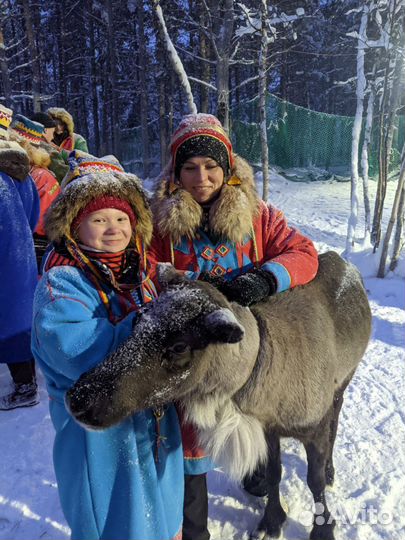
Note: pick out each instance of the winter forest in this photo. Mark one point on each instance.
(324, 76)
(312, 93)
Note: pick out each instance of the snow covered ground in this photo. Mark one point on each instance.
(369, 493)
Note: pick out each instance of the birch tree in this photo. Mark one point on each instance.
(364, 164)
(391, 31)
(174, 57)
(360, 89)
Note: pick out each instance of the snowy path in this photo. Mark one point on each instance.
(369, 493)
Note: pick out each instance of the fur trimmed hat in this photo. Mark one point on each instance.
(30, 130)
(6, 116)
(61, 115)
(93, 178)
(200, 135)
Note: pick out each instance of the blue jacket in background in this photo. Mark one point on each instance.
(19, 212)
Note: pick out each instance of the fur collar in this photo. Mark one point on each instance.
(14, 160)
(231, 216)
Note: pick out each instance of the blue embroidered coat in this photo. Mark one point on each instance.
(111, 487)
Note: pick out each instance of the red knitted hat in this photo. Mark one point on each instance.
(105, 201)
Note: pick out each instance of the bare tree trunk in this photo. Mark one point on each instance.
(94, 93)
(262, 100)
(360, 88)
(223, 52)
(393, 218)
(144, 90)
(399, 240)
(389, 107)
(364, 164)
(177, 64)
(205, 67)
(162, 91)
(60, 37)
(112, 79)
(36, 72)
(106, 144)
(5, 77)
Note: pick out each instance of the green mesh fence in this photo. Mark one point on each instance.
(299, 137)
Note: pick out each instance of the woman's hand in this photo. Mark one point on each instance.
(248, 288)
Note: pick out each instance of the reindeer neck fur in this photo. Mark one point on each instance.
(233, 439)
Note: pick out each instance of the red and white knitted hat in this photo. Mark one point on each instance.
(200, 135)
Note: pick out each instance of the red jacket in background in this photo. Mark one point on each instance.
(48, 188)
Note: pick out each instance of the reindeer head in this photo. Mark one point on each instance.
(172, 350)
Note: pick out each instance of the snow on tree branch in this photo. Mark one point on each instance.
(175, 59)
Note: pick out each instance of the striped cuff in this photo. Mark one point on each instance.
(281, 274)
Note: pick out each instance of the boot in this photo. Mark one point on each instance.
(24, 395)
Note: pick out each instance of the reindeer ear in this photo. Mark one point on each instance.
(168, 275)
(223, 326)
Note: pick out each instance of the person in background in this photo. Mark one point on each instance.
(124, 482)
(49, 125)
(211, 223)
(29, 135)
(19, 211)
(64, 137)
(57, 165)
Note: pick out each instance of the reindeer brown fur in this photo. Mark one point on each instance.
(245, 377)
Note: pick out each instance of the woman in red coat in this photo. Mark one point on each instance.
(211, 223)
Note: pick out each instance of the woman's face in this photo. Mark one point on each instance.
(60, 127)
(108, 229)
(202, 177)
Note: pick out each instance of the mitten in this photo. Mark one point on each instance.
(249, 288)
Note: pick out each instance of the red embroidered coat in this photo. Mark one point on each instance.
(241, 232)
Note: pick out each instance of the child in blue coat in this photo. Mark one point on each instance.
(123, 483)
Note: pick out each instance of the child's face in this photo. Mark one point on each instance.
(108, 229)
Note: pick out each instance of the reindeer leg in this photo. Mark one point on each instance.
(329, 467)
(337, 405)
(318, 451)
(274, 515)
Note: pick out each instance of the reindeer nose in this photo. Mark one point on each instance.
(89, 414)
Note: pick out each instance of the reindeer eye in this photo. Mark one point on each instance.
(179, 347)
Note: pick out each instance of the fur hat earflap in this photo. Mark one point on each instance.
(231, 216)
(91, 178)
(14, 160)
(57, 113)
